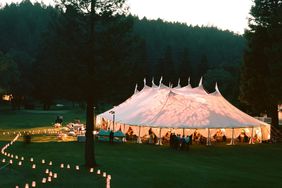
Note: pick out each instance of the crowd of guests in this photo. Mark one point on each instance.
(177, 142)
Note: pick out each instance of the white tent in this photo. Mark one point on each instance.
(184, 109)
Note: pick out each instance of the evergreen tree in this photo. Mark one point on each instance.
(263, 59)
(202, 69)
(169, 74)
(92, 39)
(185, 68)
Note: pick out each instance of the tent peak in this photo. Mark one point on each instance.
(178, 84)
(153, 82)
(201, 82)
(144, 82)
(216, 88)
(136, 90)
(160, 82)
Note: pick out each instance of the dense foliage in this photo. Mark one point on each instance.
(261, 72)
(157, 48)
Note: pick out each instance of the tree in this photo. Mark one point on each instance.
(263, 59)
(165, 67)
(185, 68)
(200, 70)
(89, 48)
(9, 73)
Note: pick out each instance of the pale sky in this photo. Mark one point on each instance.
(224, 14)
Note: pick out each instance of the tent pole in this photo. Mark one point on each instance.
(139, 139)
(232, 139)
(183, 132)
(208, 139)
(252, 136)
(160, 142)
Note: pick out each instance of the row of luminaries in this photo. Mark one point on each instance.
(14, 159)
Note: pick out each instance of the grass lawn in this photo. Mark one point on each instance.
(140, 165)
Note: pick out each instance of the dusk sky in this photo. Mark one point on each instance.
(224, 14)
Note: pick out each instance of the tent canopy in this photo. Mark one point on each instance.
(180, 107)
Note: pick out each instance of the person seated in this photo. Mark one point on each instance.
(166, 138)
(224, 138)
(246, 138)
(242, 136)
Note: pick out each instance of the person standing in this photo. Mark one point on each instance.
(111, 137)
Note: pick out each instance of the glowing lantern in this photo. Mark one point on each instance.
(62, 165)
(33, 166)
(77, 167)
(109, 177)
(33, 184)
(43, 180)
(49, 178)
(55, 175)
(91, 170)
(98, 171)
(7, 97)
(104, 174)
(47, 171)
(43, 161)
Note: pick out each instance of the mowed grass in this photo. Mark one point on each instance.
(36, 118)
(134, 165)
(140, 165)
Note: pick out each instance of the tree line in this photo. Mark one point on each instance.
(34, 38)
